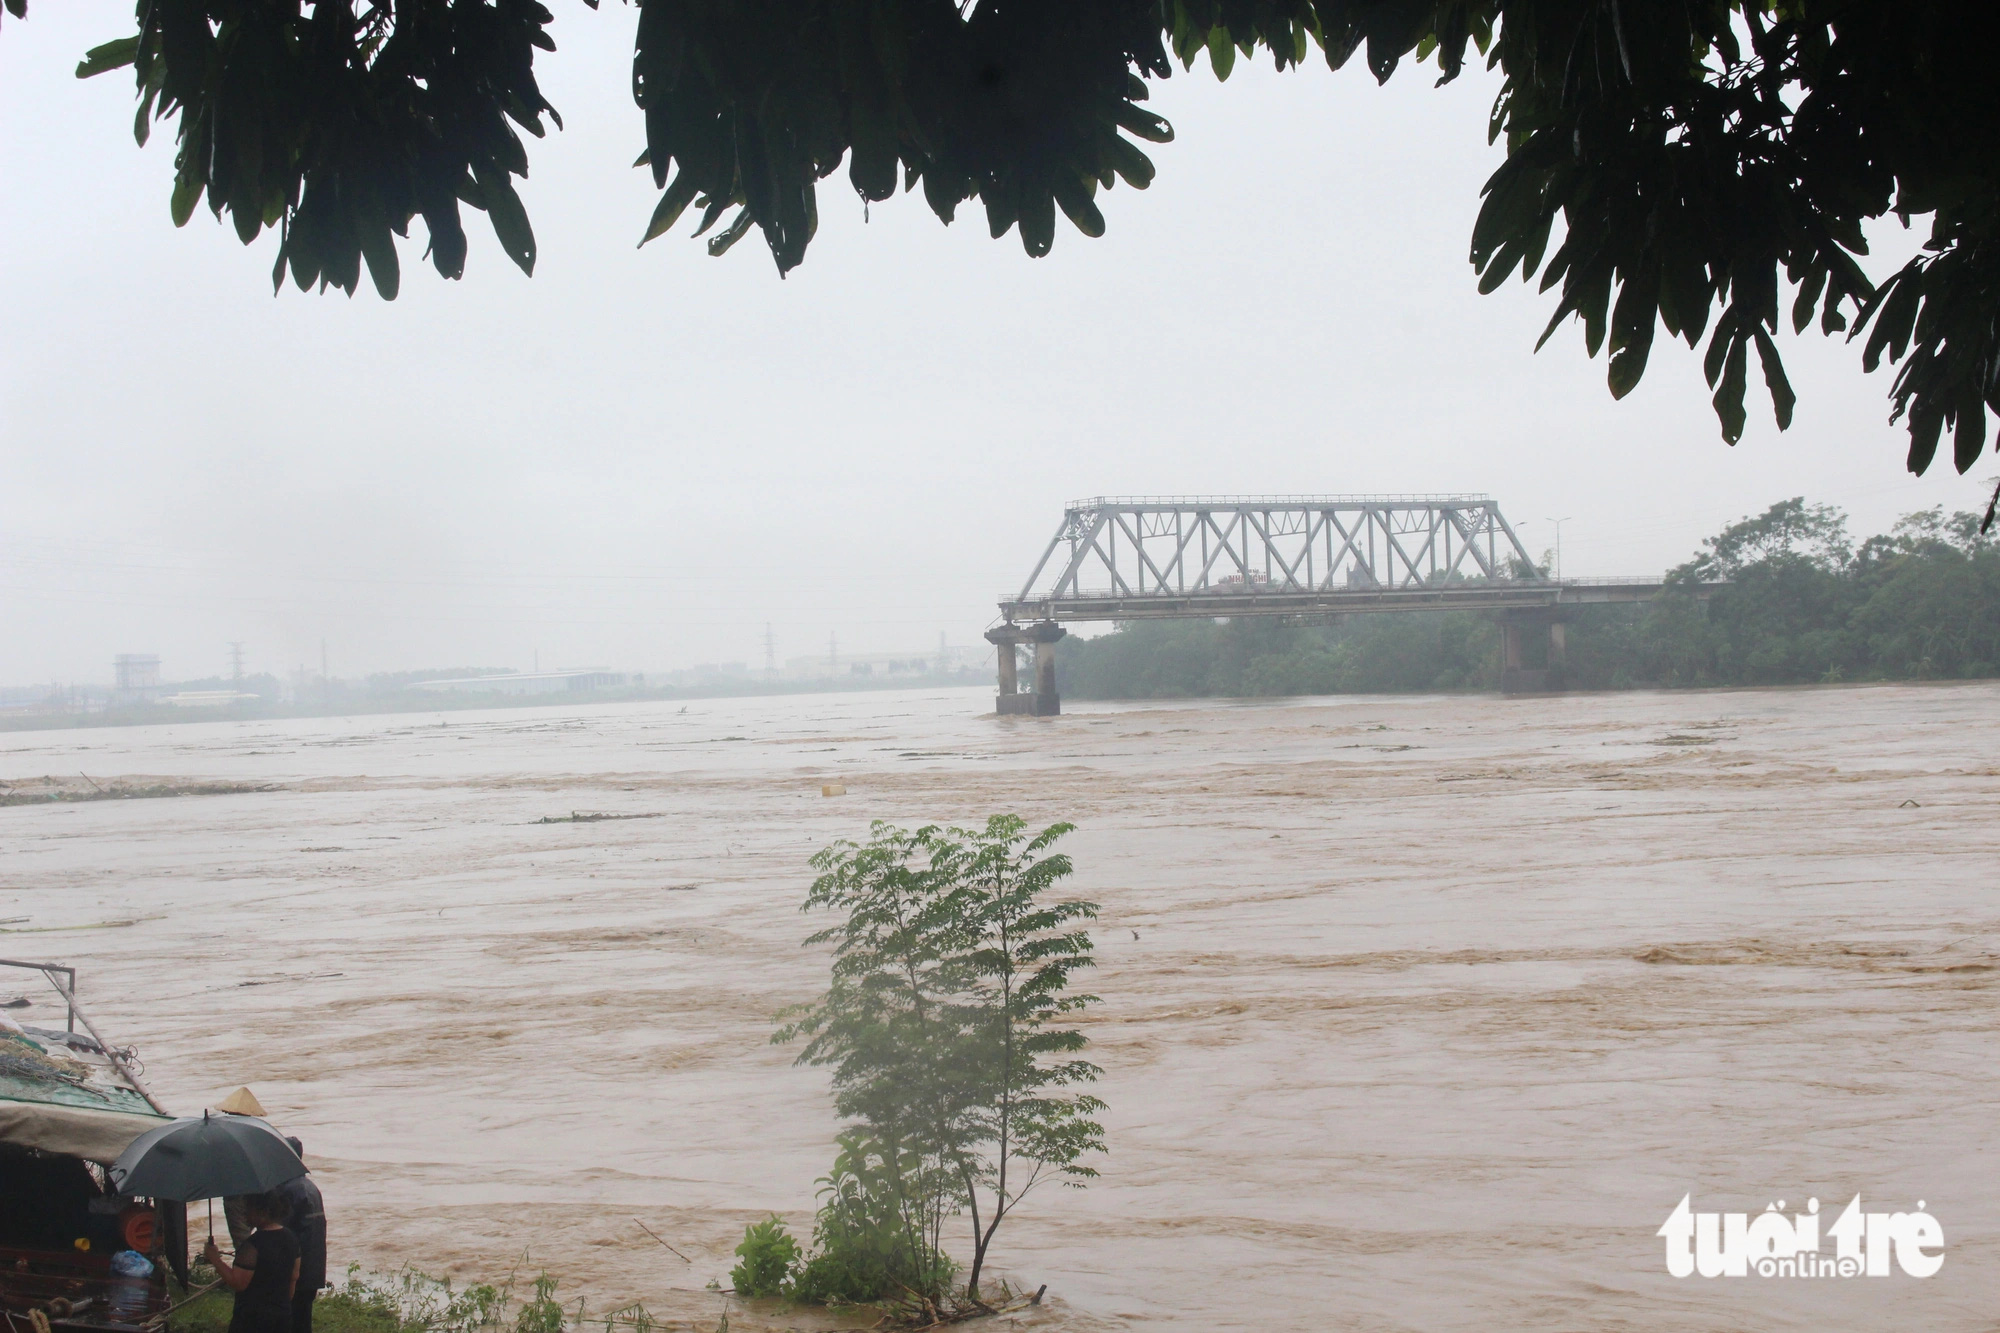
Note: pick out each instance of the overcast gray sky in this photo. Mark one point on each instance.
(640, 458)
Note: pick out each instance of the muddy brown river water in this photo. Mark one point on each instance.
(1419, 1013)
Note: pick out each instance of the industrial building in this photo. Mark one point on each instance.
(578, 680)
(135, 678)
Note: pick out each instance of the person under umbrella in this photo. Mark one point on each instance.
(265, 1271)
(206, 1157)
(240, 1102)
(308, 1223)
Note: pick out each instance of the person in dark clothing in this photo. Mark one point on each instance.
(266, 1269)
(308, 1223)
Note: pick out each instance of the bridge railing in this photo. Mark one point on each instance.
(1275, 501)
(1234, 592)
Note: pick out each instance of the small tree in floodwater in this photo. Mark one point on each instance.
(943, 1022)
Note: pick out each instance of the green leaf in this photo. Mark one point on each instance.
(672, 204)
(1499, 265)
(378, 247)
(1969, 436)
(112, 55)
(187, 193)
(943, 193)
(1783, 400)
(1132, 165)
(1563, 311)
(1925, 426)
(1809, 289)
(1626, 366)
(1728, 400)
(1144, 124)
(510, 219)
(142, 121)
(712, 209)
(1221, 52)
(1593, 300)
(1077, 205)
(875, 156)
(718, 244)
(1895, 316)
(1632, 327)
(1718, 350)
(999, 199)
(1038, 222)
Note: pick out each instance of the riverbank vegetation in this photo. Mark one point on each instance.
(407, 1302)
(1804, 604)
(945, 1024)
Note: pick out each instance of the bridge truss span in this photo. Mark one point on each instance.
(1230, 552)
(1313, 558)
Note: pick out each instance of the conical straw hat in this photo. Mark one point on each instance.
(241, 1102)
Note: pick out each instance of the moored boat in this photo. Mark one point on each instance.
(74, 1254)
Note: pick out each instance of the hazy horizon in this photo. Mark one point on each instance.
(642, 458)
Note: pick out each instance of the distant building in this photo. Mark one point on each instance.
(577, 681)
(932, 662)
(208, 698)
(135, 677)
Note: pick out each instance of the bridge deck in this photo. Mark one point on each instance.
(1503, 595)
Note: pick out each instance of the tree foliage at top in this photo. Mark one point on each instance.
(1703, 167)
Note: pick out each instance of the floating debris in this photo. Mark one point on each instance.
(586, 817)
(46, 790)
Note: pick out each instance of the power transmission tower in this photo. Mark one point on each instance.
(236, 663)
(770, 649)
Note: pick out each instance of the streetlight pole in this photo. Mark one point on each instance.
(1559, 541)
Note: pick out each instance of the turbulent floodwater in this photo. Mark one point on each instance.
(1420, 1013)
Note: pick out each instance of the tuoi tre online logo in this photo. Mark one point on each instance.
(1771, 1244)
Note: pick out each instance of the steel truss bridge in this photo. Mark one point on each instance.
(1308, 557)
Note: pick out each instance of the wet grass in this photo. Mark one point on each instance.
(333, 1312)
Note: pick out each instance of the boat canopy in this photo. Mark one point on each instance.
(73, 1131)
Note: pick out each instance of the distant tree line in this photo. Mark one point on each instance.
(1803, 604)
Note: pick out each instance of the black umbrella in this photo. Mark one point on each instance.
(206, 1157)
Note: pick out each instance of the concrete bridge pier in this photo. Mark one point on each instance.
(1042, 700)
(1516, 677)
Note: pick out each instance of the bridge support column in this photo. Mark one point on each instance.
(1516, 677)
(1045, 673)
(1010, 671)
(1042, 700)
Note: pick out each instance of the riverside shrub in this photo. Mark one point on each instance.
(765, 1259)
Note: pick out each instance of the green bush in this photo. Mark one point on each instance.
(542, 1313)
(765, 1259)
(864, 1249)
